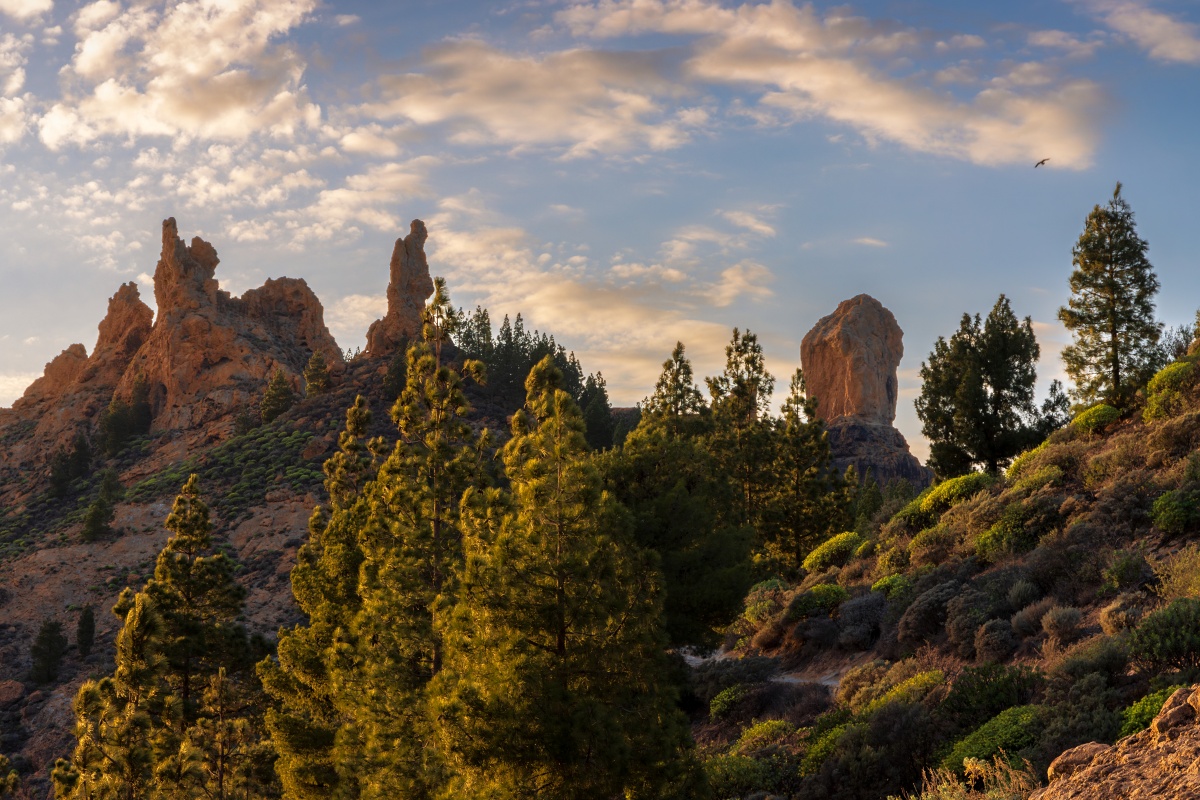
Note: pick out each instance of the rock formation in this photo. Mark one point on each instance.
(849, 360)
(408, 288)
(1159, 762)
(209, 354)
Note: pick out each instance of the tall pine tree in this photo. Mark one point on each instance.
(1111, 310)
(555, 684)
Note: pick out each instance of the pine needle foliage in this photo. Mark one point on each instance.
(1111, 310)
(278, 397)
(555, 684)
(677, 401)
(316, 375)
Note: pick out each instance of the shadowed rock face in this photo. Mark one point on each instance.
(849, 360)
(408, 288)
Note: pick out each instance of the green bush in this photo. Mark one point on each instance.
(953, 491)
(1175, 511)
(764, 600)
(734, 775)
(911, 690)
(892, 586)
(932, 545)
(832, 552)
(820, 599)
(1007, 732)
(980, 693)
(1138, 716)
(727, 700)
(1095, 419)
(823, 747)
(892, 561)
(1009, 536)
(1021, 462)
(714, 676)
(1023, 593)
(1165, 391)
(763, 734)
(1168, 638)
(1049, 475)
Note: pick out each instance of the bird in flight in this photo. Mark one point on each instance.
(1038, 164)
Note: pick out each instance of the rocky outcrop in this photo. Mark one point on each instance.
(59, 374)
(849, 360)
(124, 329)
(409, 287)
(209, 354)
(1160, 762)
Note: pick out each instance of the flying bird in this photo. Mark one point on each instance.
(1038, 164)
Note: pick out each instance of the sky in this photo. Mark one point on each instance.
(624, 173)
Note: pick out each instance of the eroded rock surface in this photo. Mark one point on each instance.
(409, 287)
(1162, 762)
(850, 359)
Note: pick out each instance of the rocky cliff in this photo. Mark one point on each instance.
(1162, 762)
(849, 360)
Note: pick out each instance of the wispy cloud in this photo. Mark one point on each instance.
(870, 241)
(1163, 36)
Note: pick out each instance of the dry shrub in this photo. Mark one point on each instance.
(1179, 574)
(1061, 624)
(1028, 621)
(1123, 613)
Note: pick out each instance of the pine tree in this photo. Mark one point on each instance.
(119, 720)
(198, 598)
(47, 651)
(808, 500)
(278, 397)
(555, 684)
(305, 721)
(680, 507)
(741, 440)
(1111, 310)
(977, 394)
(316, 376)
(85, 631)
(676, 399)
(412, 549)
(597, 412)
(97, 522)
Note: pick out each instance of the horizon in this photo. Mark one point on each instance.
(624, 173)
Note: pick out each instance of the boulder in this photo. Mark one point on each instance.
(409, 287)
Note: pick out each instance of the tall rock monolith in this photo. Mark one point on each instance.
(850, 360)
(409, 286)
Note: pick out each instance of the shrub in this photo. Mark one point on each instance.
(724, 703)
(833, 552)
(1175, 511)
(1022, 462)
(820, 599)
(1121, 614)
(859, 620)
(1179, 574)
(1023, 593)
(733, 775)
(911, 690)
(1095, 419)
(823, 746)
(892, 586)
(764, 600)
(1062, 624)
(892, 561)
(1008, 536)
(932, 545)
(713, 677)
(954, 490)
(998, 780)
(1169, 638)
(1007, 732)
(762, 735)
(980, 693)
(1105, 656)
(1028, 621)
(923, 619)
(1049, 475)
(85, 631)
(964, 614)
(1126, 568)
(1138, 716)
(860, 680)
(911, 516)
(995, 641)
(1165, 391)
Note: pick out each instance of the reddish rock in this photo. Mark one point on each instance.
(408, 289)
(60, 373)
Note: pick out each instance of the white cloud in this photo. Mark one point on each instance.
(25, 9)
(744, 278)
(369, 140)
(1162, 36)
(14, 119)
(207, 70)
(581, 102)
(13, 51)
(350, 316)
(347, 19)
(1068, 43)
(870, 241)
(13, 385)
(749, 221)
(804, 65)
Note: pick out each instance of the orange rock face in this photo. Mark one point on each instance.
(850, 359)
(408, 288)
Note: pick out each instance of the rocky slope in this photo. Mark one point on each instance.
(1162, 762)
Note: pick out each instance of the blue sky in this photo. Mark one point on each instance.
(624, 172)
